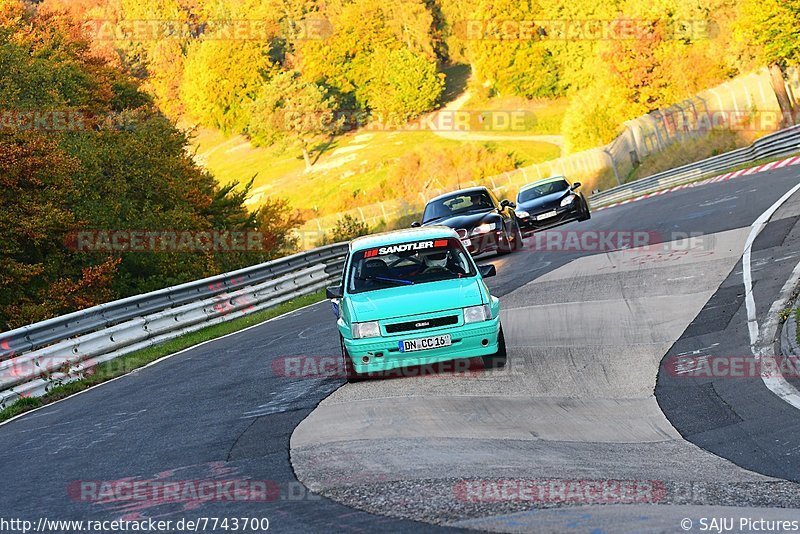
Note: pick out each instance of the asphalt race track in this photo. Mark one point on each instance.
(590, 396)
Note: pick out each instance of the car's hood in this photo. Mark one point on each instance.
(467, 221)
(546, 202)
(428, 297)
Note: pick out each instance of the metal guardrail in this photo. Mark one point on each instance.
(780, 143)
(37, 357)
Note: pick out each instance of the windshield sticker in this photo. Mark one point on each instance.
(405, 247)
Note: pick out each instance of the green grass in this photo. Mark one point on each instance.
(733, 168)
(125, 364)
(350, 169)
(688, 151)
(541, 117)
(353, 165)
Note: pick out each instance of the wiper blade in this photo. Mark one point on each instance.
(395, 281)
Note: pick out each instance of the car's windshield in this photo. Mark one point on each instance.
(409, 263)
(460, 203)
(558, 186)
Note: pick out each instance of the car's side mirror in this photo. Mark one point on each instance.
(506, 203)
(416, 224)
(334, 292)
(575, 186)
(487, 270)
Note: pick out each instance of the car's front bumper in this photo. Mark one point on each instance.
(467, 341)
(529, 224)
(482, 243)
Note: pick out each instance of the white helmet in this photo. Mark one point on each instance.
(436, 259)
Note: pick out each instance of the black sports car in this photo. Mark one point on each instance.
(483, 223)
(549, 203)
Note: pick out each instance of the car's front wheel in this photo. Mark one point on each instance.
(518, 240)
(350, 374)
(509, 244)
(498, 359)
(586, 215)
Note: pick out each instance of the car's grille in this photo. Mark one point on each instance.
(421, 324)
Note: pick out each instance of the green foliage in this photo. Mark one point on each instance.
(348, 228)
(520, 65)
(422, 169)
(385, 58)
(772, 26)
(403, 85)
(381, 57)
(131, 172)
(221, 77)
(287, 106)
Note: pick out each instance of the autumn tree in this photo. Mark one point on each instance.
(772, 26)
(378, 56)
(221, 78)
(122, 165)
(289, 107)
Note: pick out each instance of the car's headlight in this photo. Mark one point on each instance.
(368, 329)
(484, 228)
(522, 214)
(568, 200)
(476, 314)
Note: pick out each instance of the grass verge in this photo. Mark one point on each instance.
(732, 168)
(125, 364)
(688, 151)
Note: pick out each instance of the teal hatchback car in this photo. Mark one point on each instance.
(412, 298)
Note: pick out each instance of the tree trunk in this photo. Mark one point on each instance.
(779, 86)
(307, 158)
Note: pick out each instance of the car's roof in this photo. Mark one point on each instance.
(402, 236)
(476, 189)
(555, 178)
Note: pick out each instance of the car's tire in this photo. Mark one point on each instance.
(498, 359)
(586, 215)
(519, 241)
(507, 248)
(350, 374)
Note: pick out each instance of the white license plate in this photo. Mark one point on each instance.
(425, 343)
(546, 215)
(466, 242)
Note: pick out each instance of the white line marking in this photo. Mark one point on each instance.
(759, 345)
(778, 384)
(790, 256)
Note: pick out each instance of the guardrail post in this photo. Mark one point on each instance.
(613, 166)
